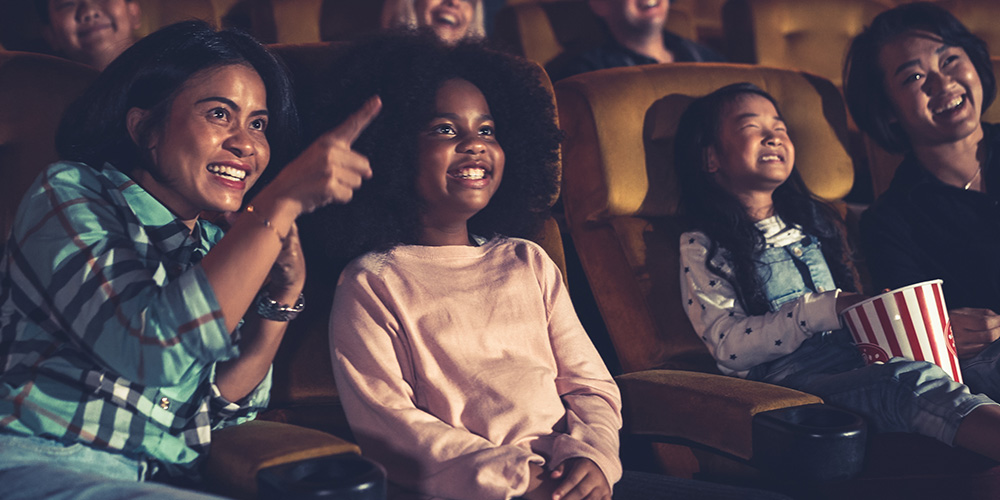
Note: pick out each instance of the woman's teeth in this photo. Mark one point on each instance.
(470, 173)
(230, 172)
(770, 158)
(950, 105)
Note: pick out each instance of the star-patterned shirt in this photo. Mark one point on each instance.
(738, 341)
(109, 329)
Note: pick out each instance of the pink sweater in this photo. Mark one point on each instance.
(458, 366)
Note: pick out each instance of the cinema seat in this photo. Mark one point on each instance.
(305, 21)
(159, 13)
(34, 91)
(620, 198)
(807, 36)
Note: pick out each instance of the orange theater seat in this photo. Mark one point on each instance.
(807, 36)
(305, 21)
(34, 91)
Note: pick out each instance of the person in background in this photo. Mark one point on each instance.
(130, 327)
(451, 20)
(917, 82)
(635, 35)
(92, 32)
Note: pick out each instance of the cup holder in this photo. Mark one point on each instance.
(342, 477)
(809, 443)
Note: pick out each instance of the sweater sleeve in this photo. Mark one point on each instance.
(591, 397)
(418, 450)
(736, 340)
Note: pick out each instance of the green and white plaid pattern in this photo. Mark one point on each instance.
(109, 330)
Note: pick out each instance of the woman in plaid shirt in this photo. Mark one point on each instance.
(123, 340)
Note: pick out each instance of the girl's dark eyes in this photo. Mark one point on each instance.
(948, 60)
(487, 131)
(914, 77)
(259, 124)
(443, 129)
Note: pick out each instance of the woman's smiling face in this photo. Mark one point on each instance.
(934, 88)
(212, 145)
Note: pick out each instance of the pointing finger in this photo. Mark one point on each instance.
(354, 125)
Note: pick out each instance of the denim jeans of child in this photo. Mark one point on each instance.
(898, 396)
(34, 468)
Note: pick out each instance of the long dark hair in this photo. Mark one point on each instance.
(864, 83)
(406, 69)
(149, 75)
(707, 207)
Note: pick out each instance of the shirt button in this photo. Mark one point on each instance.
(797, 252)
(165, 403)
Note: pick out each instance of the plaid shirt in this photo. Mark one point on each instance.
(109, 329)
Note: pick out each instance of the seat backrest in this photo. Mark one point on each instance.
(159, 13)
(304, 391)
(540, 31)
(35, 89)
(305, 21)
(620, 195)
(807, 36)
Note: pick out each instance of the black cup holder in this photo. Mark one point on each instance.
(809, 443)
(342, 477)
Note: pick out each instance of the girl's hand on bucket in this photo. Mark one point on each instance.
(847, 299)
(974, 330)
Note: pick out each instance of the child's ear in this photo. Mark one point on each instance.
(711, 160)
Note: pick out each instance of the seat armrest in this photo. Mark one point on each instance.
(713, 411)
(238, 452)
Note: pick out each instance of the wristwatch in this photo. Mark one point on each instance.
(273, 310)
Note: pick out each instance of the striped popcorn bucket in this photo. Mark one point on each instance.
(911, 322)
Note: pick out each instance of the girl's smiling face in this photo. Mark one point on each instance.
(934, 88)
(459, 160)
(753, 152)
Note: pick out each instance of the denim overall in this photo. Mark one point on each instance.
(827, 364)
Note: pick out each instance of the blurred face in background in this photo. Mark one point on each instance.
(633, 15)
(93, 32)
(450, 19)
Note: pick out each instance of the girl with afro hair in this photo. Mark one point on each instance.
(459, 359)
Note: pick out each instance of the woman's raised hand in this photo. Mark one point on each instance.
(328, 171)
(288, 274)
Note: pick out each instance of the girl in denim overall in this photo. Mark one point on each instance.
(764, 276)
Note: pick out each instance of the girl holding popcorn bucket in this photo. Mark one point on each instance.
(764, 279)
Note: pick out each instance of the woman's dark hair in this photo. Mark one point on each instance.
(705, 206)
(406, 69)
(149, 75)
(864, 81)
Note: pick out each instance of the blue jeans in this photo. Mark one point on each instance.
(898, 396)
(33, 468)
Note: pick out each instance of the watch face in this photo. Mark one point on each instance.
(272, 310)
